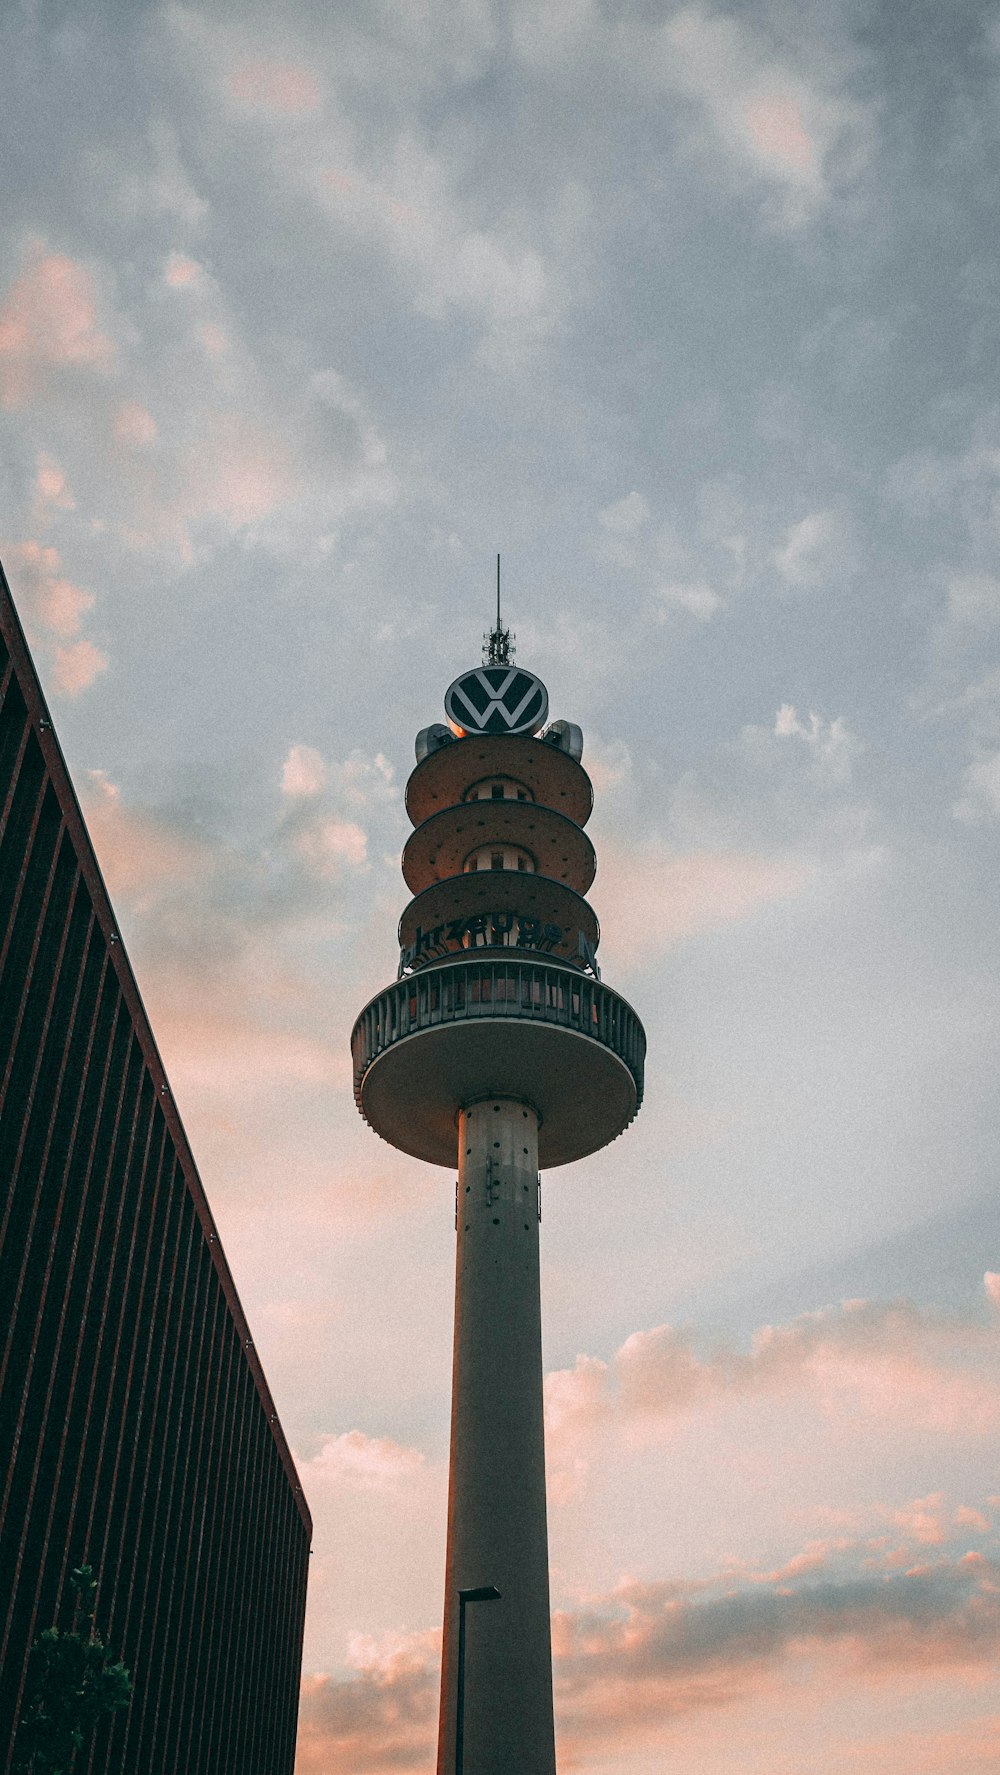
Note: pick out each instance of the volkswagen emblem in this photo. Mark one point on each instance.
(497, 700)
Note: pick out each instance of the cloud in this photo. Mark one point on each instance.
(381, 1719)
(788, 128)
(213, 468)
(648, 1654)
(283, 89)
(631, 1663)
(52, 493)
(141, 854)
(49, 326)
(50, 600)
(329, 844)
(384, 179)
(974, 599)
(236, 923)
(247, 470)
(977, 1520)
(781, 790)
(776, 125)
(154, 182)
(365, 781)
(979, 800)
(962, 484)
(135, 425)
(652, 896)
(695, 596)
(832, 745)
(923, 1521)
(812, 550)
(626, 516)
(366, 1463)
(303, 772)
(778, 114)
(181, 272)
(883, 1360)
(53, 608)
(76, 667)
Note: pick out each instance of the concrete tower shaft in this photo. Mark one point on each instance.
(496, 1504)
(498, 1037)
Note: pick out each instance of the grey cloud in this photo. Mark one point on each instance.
(654, 1653)
(648, 1653)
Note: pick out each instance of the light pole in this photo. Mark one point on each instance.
(484, 1593)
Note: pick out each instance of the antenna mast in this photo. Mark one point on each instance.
(498, 645)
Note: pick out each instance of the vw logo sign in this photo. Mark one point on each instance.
(497, 699)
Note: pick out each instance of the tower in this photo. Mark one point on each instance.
(498, 1039)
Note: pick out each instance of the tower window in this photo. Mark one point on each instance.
(496, 860)
(497, 791)
(522, 861)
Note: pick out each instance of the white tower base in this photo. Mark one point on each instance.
(496, 1506)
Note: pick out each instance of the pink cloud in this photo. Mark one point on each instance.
(890, 1361)
(51, 491)
(134, 425)
(965, 1517)
(646, 1654)
(76, 667)
(285, 89)
(630, 1665)
(50, 600)
(139, 854)
(923, 1520)
(777, 129)
(213, 340)
(49, 323)
(243, 471)
(181, 272)
(653, 897)
(240, 1021)
(53, 607)
(379, 1721)
(371, 1463)
(329, 845)
(225, 1050)
(813, 1558)
(972, 1748)
(303, 773)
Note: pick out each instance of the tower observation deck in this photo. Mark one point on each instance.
(498, 1041)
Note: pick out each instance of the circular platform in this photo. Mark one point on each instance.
(554, 778)
(439, 847)
(553, 1038)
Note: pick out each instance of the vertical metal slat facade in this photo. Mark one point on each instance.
(137, 1432)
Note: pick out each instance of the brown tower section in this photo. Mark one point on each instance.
(498, 1038)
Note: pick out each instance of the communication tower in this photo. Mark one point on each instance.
(499, 1040)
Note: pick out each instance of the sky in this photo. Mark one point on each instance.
(691, 312)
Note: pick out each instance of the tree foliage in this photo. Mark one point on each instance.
(71, 1688)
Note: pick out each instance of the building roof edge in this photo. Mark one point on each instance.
(69, 804)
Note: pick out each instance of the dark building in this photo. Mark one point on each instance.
(137, 1432)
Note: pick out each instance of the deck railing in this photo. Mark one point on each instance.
(528, 992)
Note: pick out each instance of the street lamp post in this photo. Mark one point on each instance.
(484, 1593)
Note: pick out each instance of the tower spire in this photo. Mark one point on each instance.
(498, 645)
